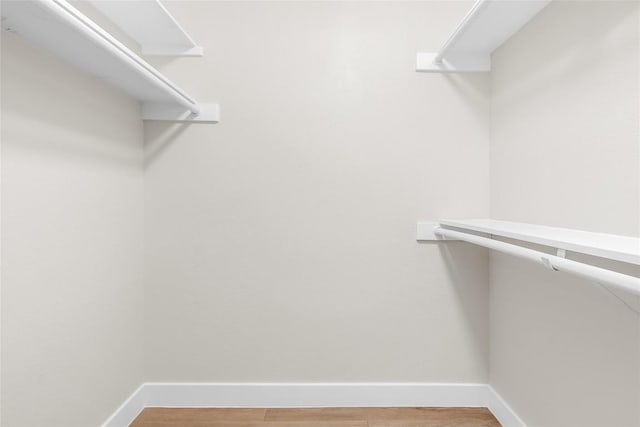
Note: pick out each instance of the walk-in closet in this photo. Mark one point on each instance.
(310, 213)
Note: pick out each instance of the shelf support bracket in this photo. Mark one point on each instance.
(209, 113)
(469, 62)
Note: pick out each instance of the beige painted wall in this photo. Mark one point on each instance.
(565, 149)
(281, 241)
(72, 245)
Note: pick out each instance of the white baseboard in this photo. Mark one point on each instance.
(283, 395)
(503, 412)
(129, 410)
(292, 395)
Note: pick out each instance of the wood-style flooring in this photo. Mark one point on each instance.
(317, 417)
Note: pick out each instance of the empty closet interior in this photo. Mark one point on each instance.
(290, 204)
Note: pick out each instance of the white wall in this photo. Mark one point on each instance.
(72, 245)
(281, 241)
(565, 147)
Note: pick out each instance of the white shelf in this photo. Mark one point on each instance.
(486, 26)
(63, 30)
(611, 246)
(151, 25)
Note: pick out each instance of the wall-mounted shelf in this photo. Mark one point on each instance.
(60, 28)
(151, 25)
(609, 246)
(612, 246)
(486, 26)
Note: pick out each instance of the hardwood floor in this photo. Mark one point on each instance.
(317, 417)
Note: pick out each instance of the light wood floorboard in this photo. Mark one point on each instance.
(316, 417)
(200, 415)
(257, 424)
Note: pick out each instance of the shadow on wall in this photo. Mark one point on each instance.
(631, 301)
(573, 50)
(87, 121)
(160, 136)
(467, 267)
(472, 89)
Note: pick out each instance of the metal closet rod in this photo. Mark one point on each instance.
(84, 25)
(556, 263)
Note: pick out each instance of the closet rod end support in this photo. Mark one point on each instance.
(426, 232)
(209, 113)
